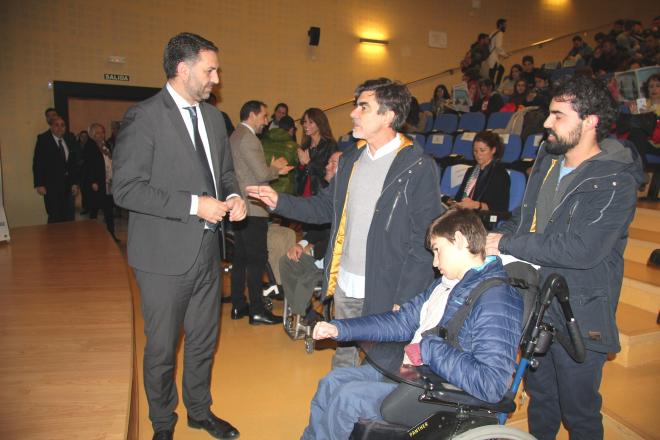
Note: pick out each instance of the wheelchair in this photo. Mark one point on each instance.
(458, 416)
(294, 326)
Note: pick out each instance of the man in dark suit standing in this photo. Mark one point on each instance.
(55, 170)
(173, 171)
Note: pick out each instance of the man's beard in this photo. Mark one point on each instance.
(561, 146)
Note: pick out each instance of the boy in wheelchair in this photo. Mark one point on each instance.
(485, 355)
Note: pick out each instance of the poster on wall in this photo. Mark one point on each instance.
(4, 227)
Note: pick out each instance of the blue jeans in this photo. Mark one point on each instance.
(561, 389)
(343, 396)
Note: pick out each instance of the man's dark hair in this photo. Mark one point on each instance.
(500, 22)
(542, 74)
(588, 96)
(493, 140)
(457, 219)
(250, 107)
(390, 95)
(577, 38)
(486, 82)
(184, 47)
(620, 21)
(481, 36)
(599, 37)
(528, 58)
(49, 109)
(286, 123)
(629, 25)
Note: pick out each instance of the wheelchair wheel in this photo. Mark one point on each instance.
(494, 432)
(309, 345)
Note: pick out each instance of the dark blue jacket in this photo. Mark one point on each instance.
(489, 337)
(584, 239)
(398, 264)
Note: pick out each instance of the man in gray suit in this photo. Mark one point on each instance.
(173, 171)
(250, 236)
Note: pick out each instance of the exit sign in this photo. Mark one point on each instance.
(116, 77)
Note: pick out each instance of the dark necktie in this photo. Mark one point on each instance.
(60, 147)
(199, 148)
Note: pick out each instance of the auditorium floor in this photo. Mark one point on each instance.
(263, 381)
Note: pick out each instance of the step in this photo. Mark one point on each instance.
(639, 250)
(641, 272)
(639, 336)
(647, 219)
(643, 295)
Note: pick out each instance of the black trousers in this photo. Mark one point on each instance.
(170, 303)
(563, 390)
(105, 203)
(59, 204)
(249, 264)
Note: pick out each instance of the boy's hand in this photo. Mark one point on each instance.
(324, 330)
(414, 353)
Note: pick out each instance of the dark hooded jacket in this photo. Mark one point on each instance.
(583, 238)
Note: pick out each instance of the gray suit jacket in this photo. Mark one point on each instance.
(251, 167)
(155, 172)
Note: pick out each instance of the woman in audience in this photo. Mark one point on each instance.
(317, 146)
(486, 185)
(520, 93)
(507, 86)
(416, 120)
(281, 110)
(440, 98)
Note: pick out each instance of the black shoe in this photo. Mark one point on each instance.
(215, 426)
(240, 312)
(265, 318)
(163, 435)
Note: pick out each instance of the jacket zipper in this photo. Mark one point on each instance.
(389, 219)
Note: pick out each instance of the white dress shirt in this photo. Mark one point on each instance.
(64, 145)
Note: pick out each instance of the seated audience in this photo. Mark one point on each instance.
(317, 146)
(529, 70)
(606, 59)
(416, 120)
(279, 142)
(483, 364)
(507, 86)
(441, 98)
(485, 186)
(519, 97)
(281, 110)
(489, 102)
(540, 95)
(581, 52)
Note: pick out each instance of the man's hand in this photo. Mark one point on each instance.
(210, 209)
(295, 252)
(264, 193)
(281, 165)
(325, 330)
(493, 244)
(468, 203)
(237, 209)
(41, 190)
(95, 187)
(74, 190)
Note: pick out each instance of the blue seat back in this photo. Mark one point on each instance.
(452, 179)
(425, 106)
(439, 145)
(463, 145)
(472, 121)
(512, 147)
(417, 138)
(499, 120)
(517, 191)
(531, 147)
(446, 122)
(429, 124)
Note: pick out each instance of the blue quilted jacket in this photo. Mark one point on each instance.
(489, 337)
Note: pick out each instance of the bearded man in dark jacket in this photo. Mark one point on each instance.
(574, 220)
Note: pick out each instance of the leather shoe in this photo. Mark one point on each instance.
(265, 318)
(240, 312)
(215, 426)
(163, 435)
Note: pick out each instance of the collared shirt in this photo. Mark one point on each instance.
(66, 147)
(182, 104)
(353, 284)
(249, 128)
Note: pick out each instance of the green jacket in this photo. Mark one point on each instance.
(276, 143)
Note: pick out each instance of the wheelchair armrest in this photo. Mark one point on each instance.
(438, 390)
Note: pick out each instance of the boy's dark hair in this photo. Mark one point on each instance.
(250, 107)
(184, 47)
(577, 38)
(458, 219)
(286, 123)
(588, 96)
(528, 58)
(49, 109)
(390, 95)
